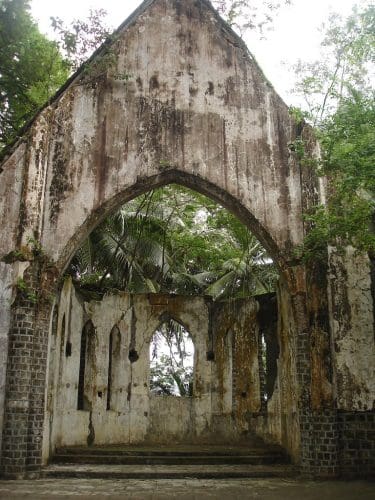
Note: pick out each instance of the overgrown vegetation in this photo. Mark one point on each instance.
(174, 240)
(339, 95)
(31, 68)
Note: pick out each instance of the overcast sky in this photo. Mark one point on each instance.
(295, 35)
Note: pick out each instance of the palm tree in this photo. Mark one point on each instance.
(173, 240)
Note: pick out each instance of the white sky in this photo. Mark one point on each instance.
(295, 35)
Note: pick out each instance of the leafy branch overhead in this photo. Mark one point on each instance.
(31, 68)
(339, 95)
(174, 240)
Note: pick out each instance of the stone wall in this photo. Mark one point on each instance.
(180, 99)
(6, 291)
(226, 394)
(353, 348)
(356, 443)
(226, 402)
(352, 329)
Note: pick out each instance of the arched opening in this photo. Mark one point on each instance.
(165, 178)
(174, 240)
(172, 360)
(86, 368)
(174, 253)
(114, 372)
(232, 148)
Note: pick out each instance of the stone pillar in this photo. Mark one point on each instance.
(26, 374)
(352, 287)
(317, 411)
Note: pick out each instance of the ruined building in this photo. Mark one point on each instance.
(176, 97)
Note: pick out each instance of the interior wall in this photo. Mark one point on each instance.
(279, 421)
(227, 393)
(6, 279)
(133, 416)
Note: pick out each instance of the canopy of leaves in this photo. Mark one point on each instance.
(348, 141)
(174, 240)
(339, 94)
(346, 63)
(31, 68)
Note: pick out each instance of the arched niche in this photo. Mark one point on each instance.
(115, 376)
(86, 367)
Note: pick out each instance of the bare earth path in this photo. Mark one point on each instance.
(231, 489)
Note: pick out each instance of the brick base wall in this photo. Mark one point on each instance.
(26, 376)
(319, 443)
(356, 444)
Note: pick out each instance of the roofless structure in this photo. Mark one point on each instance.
(176, 97)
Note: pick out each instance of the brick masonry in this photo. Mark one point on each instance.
(26, 377)
(356, 431)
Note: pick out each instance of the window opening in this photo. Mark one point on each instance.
(109, 385)
(68, 349)
(86, 343)
(171, 360)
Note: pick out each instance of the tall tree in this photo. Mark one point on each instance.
(346, 63)
(31, 68)
(339, 96)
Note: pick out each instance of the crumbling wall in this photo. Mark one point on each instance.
(353, 348)
(278, 420)
(175, 97)
(6, 281)
(134, 415)
(235, 337)
(226, 392)
(352, 329)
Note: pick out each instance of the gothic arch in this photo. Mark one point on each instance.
(172, 176)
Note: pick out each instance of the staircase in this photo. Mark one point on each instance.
(169, 462)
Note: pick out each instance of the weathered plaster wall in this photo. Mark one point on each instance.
(226, 372)
(236, 332)
(175, 98)
(352, 317)
(183, 100)
(131, 418)
(178, 98)
(6, 282)
(279, 421)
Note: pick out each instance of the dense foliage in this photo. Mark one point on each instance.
(31, 68)
(339, 94)
(177, 241)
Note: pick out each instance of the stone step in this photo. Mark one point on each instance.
(121, 459)
(185, 451)
(80, 471)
